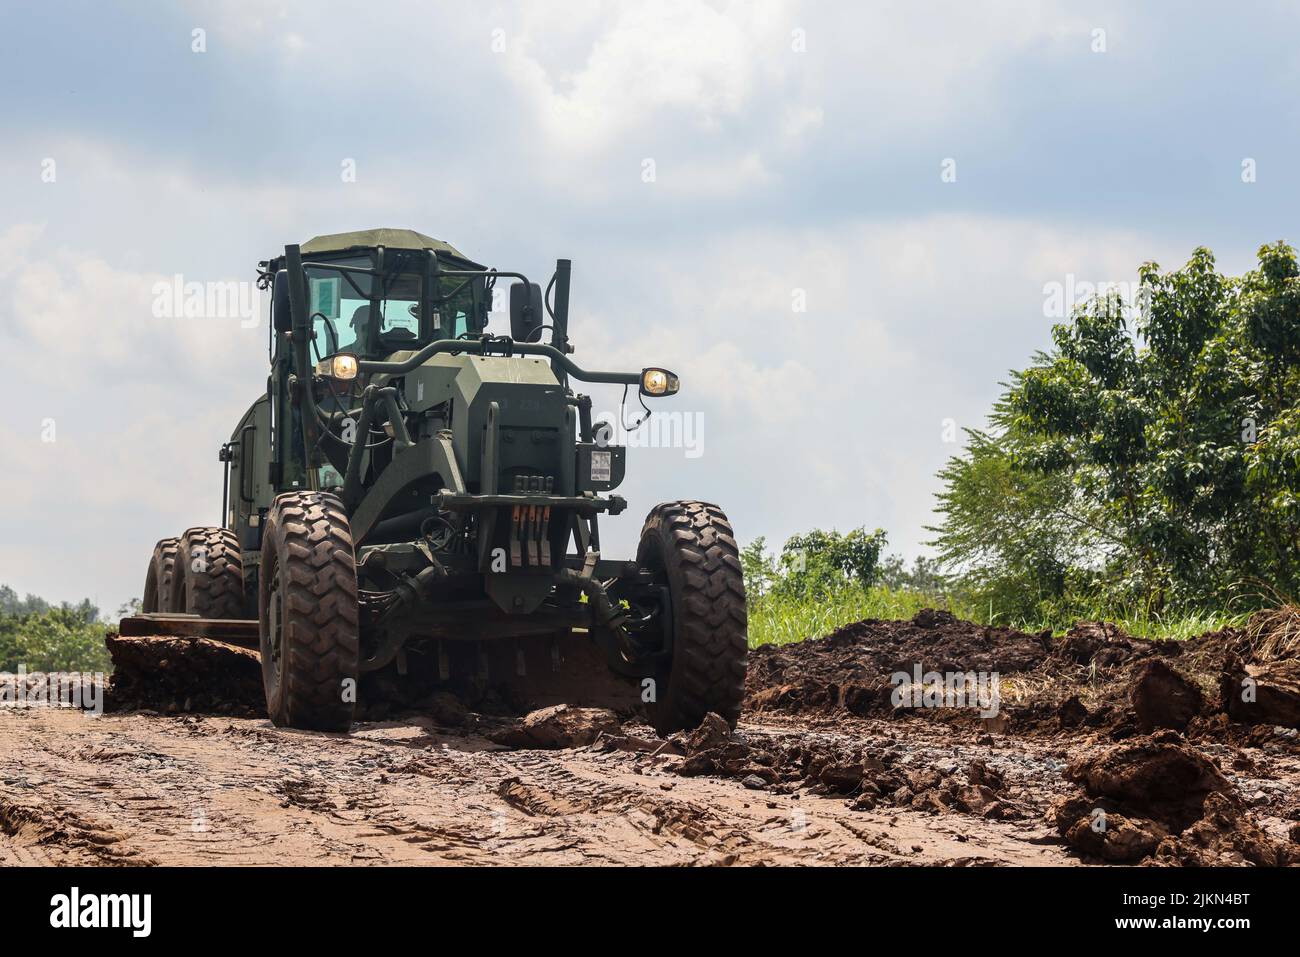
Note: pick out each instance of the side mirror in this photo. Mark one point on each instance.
(281, 315)
(526, 312)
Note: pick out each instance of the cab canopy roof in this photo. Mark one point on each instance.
(388, 238)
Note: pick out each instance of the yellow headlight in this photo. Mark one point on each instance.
(344, 366)
(658, 382)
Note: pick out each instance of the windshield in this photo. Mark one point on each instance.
(375, 316)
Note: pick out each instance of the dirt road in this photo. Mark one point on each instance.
(1104, 749)
(139, 789)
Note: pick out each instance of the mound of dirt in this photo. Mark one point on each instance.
(1225, 837)
(184, 674)
(1267, 693)
(852, 668)
(559, 726)
(1151, 795)
(872, 776)
(1157, 777)
(1103, 644)
(1096, 831)
(1095, 676)
(1163, 698)
(1156, 798)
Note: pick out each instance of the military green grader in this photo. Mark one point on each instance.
(415, 499)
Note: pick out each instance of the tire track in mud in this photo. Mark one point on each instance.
(33, 835)
(529, 804)
(579, 806)
(140, 788)
(542, 788)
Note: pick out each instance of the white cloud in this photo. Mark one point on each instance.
(913, 315)
(137, 406)
(689, 58)
(908, 323)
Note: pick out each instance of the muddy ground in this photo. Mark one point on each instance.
(1103, 749)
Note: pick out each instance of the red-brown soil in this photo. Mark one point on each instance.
(1104, 749)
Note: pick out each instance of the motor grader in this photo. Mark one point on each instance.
(414, 495)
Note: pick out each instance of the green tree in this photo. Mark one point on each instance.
(1153, 461)
(814, 563)
(44, 637)
(758, 567)
(818, 562)
(11, 606)
(924, 576)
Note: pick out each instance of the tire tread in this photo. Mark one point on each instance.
(312, 541)
(711, 638)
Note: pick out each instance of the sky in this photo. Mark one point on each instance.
(839, 223)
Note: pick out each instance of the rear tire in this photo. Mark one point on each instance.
(307, 607)
(208, 580)
(158, 579)
(691, 548)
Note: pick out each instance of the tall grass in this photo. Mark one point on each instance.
(783, 618)
(1140, 622)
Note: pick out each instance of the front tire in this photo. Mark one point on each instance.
(691, 548)
(208, 578)
(308, 614)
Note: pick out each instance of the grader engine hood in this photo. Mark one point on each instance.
(520, 396)
(512, 426)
